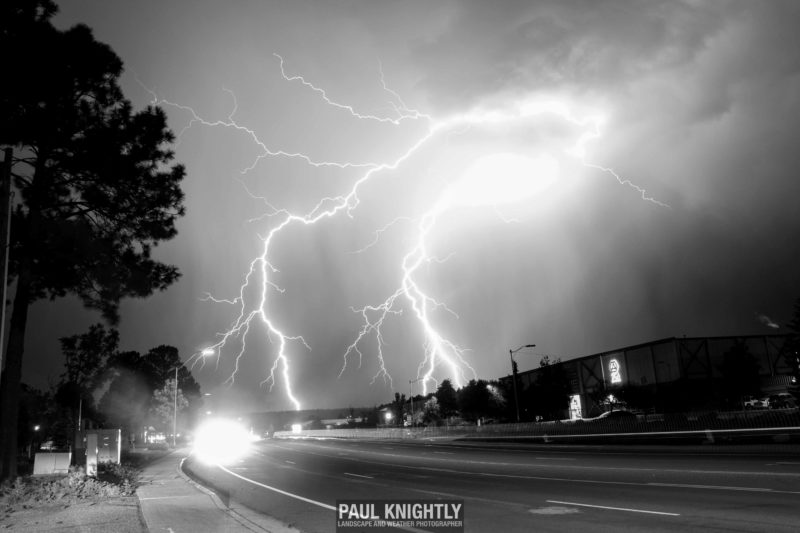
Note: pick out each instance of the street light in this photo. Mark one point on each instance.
(514, 373)
(175, 406)
(205, 353)
(411, 386)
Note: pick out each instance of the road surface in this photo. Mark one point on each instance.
(509, 487)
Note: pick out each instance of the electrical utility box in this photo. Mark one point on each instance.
(109, 444)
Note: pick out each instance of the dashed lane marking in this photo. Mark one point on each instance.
(554, 510)
(713, 487)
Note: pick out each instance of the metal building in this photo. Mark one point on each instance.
(668, 375)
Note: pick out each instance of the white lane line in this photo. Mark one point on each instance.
(445, 453)
(554, 458)
(714, 487)
(279, 491)
(166, 497)
(291, 462)
(613, 508)
(357, 475)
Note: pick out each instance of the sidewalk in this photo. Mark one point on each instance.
(171, 502)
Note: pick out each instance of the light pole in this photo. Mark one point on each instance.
(34, 444)
(411, 387)
(205, 353)
(514, 374)
(175, 407)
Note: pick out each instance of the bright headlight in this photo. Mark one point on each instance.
(221, 441)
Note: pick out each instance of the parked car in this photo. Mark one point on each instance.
(782, 400)
(752, 402)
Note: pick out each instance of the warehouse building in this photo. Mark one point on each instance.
(669, 375)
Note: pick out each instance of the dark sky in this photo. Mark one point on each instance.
(496, 121)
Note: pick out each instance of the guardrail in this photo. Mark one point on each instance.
(776, 425)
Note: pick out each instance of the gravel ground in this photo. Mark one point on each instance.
(120, 515)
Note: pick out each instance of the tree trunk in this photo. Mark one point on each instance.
(12, 373)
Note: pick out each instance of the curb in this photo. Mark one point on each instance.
(247, 518)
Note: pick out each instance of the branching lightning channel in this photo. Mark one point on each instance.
(440, 352)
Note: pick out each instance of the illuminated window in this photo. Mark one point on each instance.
(613, 368)
(575, 409)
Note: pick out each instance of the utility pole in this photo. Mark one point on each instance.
(411, 392)
(411, 387)
(175, 407)
(5, 232)
(514, 374)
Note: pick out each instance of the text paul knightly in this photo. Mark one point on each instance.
(433, 515)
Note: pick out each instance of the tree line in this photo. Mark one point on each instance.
(103, 387)
(486, 401)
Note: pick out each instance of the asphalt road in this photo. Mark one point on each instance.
(522, 488)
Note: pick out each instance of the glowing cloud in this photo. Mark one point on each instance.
(502, 178)
(490, 180)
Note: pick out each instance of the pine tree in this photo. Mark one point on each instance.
(95, 183)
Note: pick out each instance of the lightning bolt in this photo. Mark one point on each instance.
(470, 192)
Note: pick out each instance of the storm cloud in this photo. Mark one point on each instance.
(699, 103)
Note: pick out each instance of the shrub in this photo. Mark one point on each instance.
(125, 476)
(112, 480)
(13, 491)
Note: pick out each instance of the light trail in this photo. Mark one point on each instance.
(519, 178)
